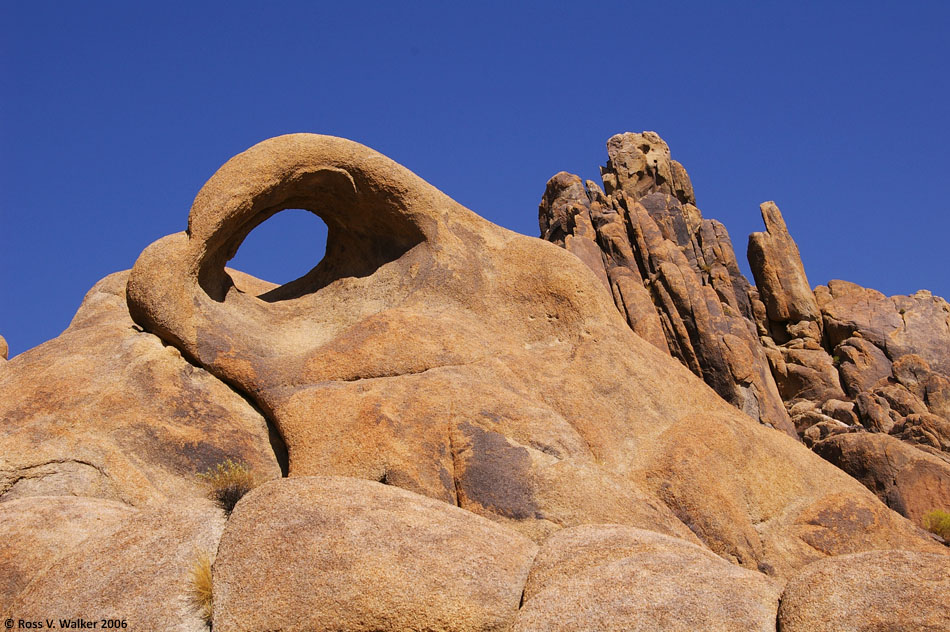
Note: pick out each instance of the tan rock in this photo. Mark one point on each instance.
(917, 324)
(915, 375)
(925, 430)
(606, 577)
(874, 412)
(334, 553)
(640, 163)
(861, 365)
(884, 590)
(807, 374)
(779, 274)
(910, 481)
(842, 411)
(108, 411)
(4, 349)
(138, 572)
(424, 320)
(36, 532)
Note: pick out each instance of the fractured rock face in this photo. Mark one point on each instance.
(671, 273)
(910, 481)
(842, 359)
(780, 276)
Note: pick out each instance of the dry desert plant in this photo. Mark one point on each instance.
(228, 482)
(938, 522)
(199, 589)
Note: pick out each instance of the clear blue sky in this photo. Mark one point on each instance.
(112, 116)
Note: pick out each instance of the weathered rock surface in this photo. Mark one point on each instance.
(917, 324)
(442, 354)
(137, 572)
(841, 359)
(4, 349)
(38, 531)
(507, 393)
(893, 590)
(357, 555)
(780, 277)
(608, 577)
(672, 274)
(910, 481)
(108, 411)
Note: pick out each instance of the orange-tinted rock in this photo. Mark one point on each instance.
(673, 274)
(108, 411)
(779, 274)
(917, 324)
(334, 553)
(910, 481)
(891, 590)
(606, 577)
(861, 365)
(137, 572)
(36, 532)
(424, 321)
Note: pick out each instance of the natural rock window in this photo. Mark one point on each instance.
(282, 249)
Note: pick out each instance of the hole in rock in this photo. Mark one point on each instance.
(282, 249)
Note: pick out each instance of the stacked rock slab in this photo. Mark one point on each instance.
(673, 275)
(839, 359)
(454, 399)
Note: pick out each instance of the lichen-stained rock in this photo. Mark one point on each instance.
(607, 577)
(910, 481)
(336, 553)
(898, 591)
(424, 321)
(108, 411)
(35, 532)
(779, 274)
(138, 572)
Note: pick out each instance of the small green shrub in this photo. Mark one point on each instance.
(199, 590)
(938, 522)
(228, 482)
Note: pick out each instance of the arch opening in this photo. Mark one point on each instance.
(283, 249)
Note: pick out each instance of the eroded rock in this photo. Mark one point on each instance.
(111, 412)
(890, 590)
(357, 555)
(607, 577)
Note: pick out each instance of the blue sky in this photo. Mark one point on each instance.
(113, 115)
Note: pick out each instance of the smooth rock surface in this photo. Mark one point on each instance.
(607, 577)
(335, 553)
(35, 532)
(138, 572)
(898, 591)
